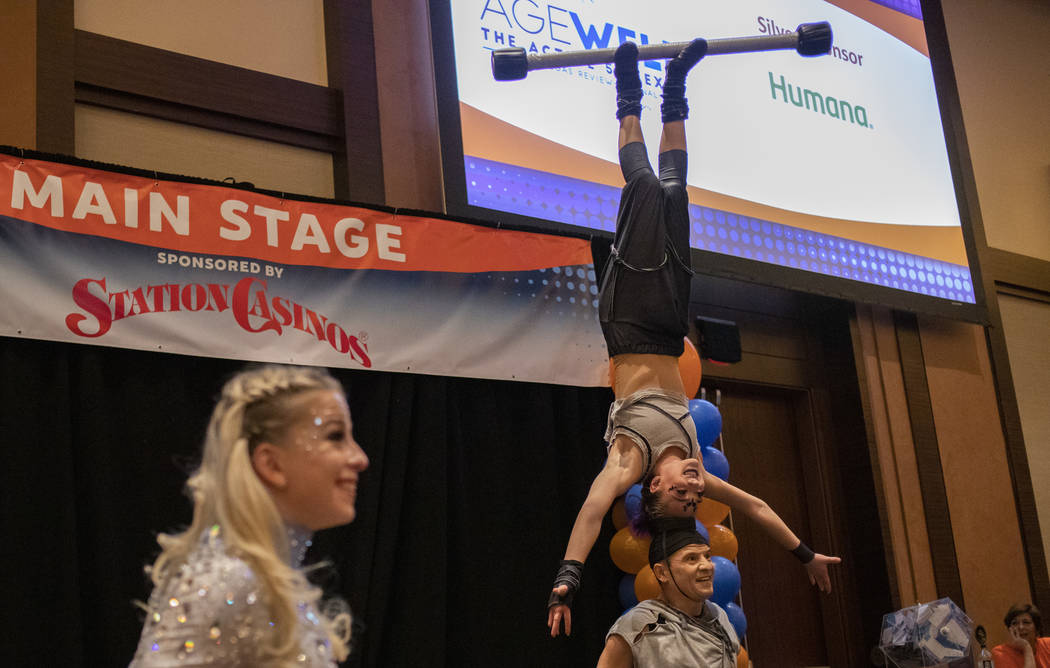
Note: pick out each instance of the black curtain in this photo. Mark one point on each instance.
(462, 515)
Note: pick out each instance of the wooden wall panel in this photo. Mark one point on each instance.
(350, 44)
(148, 143)
(1000, 51)
(408, 105)
(54, 76)
(1026, 327)
(18, 75)
(906, 537)
(280, 37)
(976, 475)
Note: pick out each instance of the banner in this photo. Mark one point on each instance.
(112, 259)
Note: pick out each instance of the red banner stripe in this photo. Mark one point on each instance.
(213, 220)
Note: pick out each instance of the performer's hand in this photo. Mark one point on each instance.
(556, 613)
(817, 569)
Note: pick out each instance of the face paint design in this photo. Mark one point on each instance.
(688, 499)
(683, 483)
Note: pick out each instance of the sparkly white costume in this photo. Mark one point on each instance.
(214, 613)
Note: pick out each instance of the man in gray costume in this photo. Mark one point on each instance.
(681, 627)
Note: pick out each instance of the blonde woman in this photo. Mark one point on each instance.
(279, 462)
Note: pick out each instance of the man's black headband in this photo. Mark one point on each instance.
(671, 534)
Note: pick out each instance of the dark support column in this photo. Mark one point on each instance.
(55, 120)
(928, 459)
(1016, 450)
(350, 49)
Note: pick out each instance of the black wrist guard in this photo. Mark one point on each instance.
(569, 573)
(803, 553)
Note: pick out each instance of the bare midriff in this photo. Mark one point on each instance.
(637, 371)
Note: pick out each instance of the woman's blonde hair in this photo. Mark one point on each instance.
(255, 405)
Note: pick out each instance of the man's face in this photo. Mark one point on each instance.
(680, 482)
(693, 571)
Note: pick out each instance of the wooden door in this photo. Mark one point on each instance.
(760, 437)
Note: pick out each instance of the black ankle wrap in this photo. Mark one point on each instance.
(674, 106)
(628, 83)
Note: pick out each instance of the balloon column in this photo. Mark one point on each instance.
(630, 553)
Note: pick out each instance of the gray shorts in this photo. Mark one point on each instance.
(655, 420)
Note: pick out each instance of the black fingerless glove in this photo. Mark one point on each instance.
(570, 573)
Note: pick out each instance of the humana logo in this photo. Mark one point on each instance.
(818, 102)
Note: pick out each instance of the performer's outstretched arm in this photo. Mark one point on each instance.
(622, 469)
(759, 511)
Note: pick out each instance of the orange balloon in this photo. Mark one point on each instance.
(723, 542)
(646, 585)
(619, 514)
(689, 369)
(742, 660)
(711, 512)
(629, 553)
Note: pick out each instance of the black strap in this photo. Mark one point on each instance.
(617, 258)
(803, 553)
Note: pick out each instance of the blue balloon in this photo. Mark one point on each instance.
(632, 503)
(726, 581)
(736, 618)
(628, 599)
(715, 462)
(707, 419)
(702, 530)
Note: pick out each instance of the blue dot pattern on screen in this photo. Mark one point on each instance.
(502, 187)
(909, 7)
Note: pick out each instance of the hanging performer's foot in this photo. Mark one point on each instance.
(628, 83)
(674, 106)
